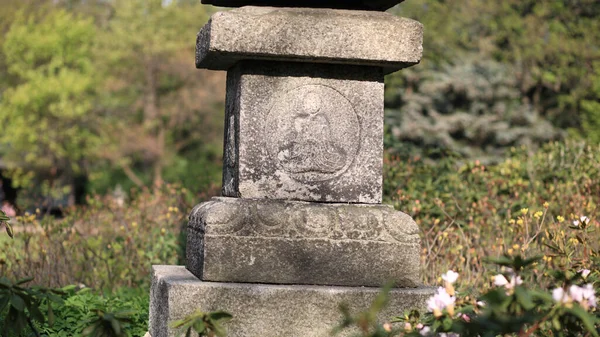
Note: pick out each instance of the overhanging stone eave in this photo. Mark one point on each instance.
(219, 60)
(327, 36)
(373, 5)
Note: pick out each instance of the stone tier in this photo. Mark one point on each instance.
(377, 5)
(291, 242)
(261, 310)
(313, 35)
(299, 131)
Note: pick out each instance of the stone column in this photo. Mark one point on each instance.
(300, 226)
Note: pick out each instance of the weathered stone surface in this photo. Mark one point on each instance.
(261, 310)
(365, 38)
(380, 5)
(291, 242)
(304, 132)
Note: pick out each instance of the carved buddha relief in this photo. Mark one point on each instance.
(315, 133)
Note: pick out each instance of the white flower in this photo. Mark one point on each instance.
(481, 304)
(584, 272)
(576, 293)
(558, 295)
(516, 281)
(450, 276)
(583, 295)
(582, 220)
(501, 281)
(425, 331)
(440, 301)
(587, 293)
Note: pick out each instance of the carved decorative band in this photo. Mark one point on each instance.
(289, 219)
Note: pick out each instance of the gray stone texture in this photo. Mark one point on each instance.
(298, 131)
(291, 242)
(261, 310)
(379, 5)
(333, 36)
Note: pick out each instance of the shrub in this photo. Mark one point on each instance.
(472, 107)
(467, 211)
(85, 309)
(110, 243)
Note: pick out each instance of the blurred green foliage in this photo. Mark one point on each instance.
(205, 324)
(49, 107)
(108, 244)
(85, 308)
(467, 210)
(496, 74)
(104, 93)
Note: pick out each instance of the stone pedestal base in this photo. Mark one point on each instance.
(261, 310)
(293, 242)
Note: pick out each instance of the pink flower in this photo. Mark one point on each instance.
(440, 301)
(9, 210)
(584, 273)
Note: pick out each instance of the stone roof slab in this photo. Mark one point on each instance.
(331, 36)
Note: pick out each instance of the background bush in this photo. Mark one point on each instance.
(109, 244)
(468, 211)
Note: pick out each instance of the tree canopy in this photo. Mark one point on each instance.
(49, 105)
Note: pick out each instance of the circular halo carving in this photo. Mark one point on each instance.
(314, 133)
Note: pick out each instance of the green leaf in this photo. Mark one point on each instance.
(9, 230)
(4, 282)
(3, 302)
(4, 217)
(50, 315)
(24, 280)
(17, 302)
(56, 299)
(220, 315)
(17, 320)
(178, 323)
(91, 329)
(36, 314)
(586, 318)
(501, 261)
(125, 313)
(556, 323)
(524, 298)
(218, 330)
(199, 326)
(532, 260)
(115, 325)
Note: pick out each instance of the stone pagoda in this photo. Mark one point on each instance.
(300, 227)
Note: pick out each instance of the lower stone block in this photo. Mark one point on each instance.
(261, 310)
(293, 242)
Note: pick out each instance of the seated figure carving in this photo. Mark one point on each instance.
(311, 147)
